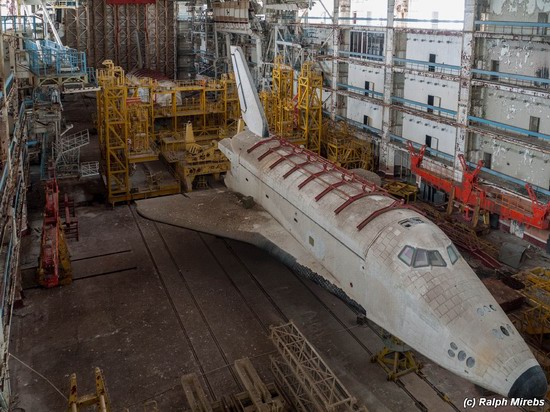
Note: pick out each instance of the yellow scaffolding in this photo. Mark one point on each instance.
(310, 107)
(283, 95)
(191, 158)
(113, 130)
(139, 140)
(208, 104)
(124, 128)
(344, 149)
(268, 102)
(535, 320)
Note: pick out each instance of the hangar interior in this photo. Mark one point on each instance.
(134, 278)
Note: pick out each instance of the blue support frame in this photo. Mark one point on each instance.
(47, 58)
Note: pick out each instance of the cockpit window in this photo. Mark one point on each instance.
(453, 253)
(421, 258)
(407, 255)
(435, 258)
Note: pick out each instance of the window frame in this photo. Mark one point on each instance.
(427, 259)
(412, 257)
(455, 251)
(434, 251)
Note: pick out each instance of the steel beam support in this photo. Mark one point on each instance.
(386, 151)
(121, 32)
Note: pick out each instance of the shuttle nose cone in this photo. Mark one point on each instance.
(531, 384)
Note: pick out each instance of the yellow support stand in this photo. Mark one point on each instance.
(397, 359)
(310, 107)
(100, 399)
(113, 130)
(65, 268)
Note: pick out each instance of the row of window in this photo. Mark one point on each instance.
(419, 258)
(367, 43)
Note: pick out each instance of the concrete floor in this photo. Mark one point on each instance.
(151, 302)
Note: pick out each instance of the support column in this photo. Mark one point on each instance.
(4, 124)
(387, 153)
(465, 85)
(259, 59)
(335, 53)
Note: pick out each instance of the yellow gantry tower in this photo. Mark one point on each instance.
(310, 107)
(113, 130)
(283, 92)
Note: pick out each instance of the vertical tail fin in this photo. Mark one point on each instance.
(251, 108)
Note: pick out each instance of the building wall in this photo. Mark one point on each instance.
(418, 88)
(357, 109)
(515, 57)
(517, 10)
(446, 48)
(517, 161)
(358, 75)
(416, 128)
(515, 109)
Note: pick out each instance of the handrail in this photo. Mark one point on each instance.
(512, 76)
(508, 127)
(348, 86)
(428, 106)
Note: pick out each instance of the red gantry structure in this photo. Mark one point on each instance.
(479, 197)
(55, 267)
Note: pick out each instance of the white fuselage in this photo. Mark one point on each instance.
(443, 312)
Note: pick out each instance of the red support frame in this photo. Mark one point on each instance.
(472, 193)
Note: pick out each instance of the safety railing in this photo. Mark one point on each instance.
(439, 24)
(438, 111)
(525, 28)
(362, 56)
(49, 58)
(365, 92)
(427, 66)
(512, 78)
(365, 127)
(504, 126)
(29, 26)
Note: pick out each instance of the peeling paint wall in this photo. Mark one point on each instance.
(515, 109)
(517, 161)
(447, 51)
(517, 10)
(516, 57)
(417, 88)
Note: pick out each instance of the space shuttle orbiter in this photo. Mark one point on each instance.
(376, 252)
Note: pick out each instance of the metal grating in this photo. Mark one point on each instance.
(305, 375)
